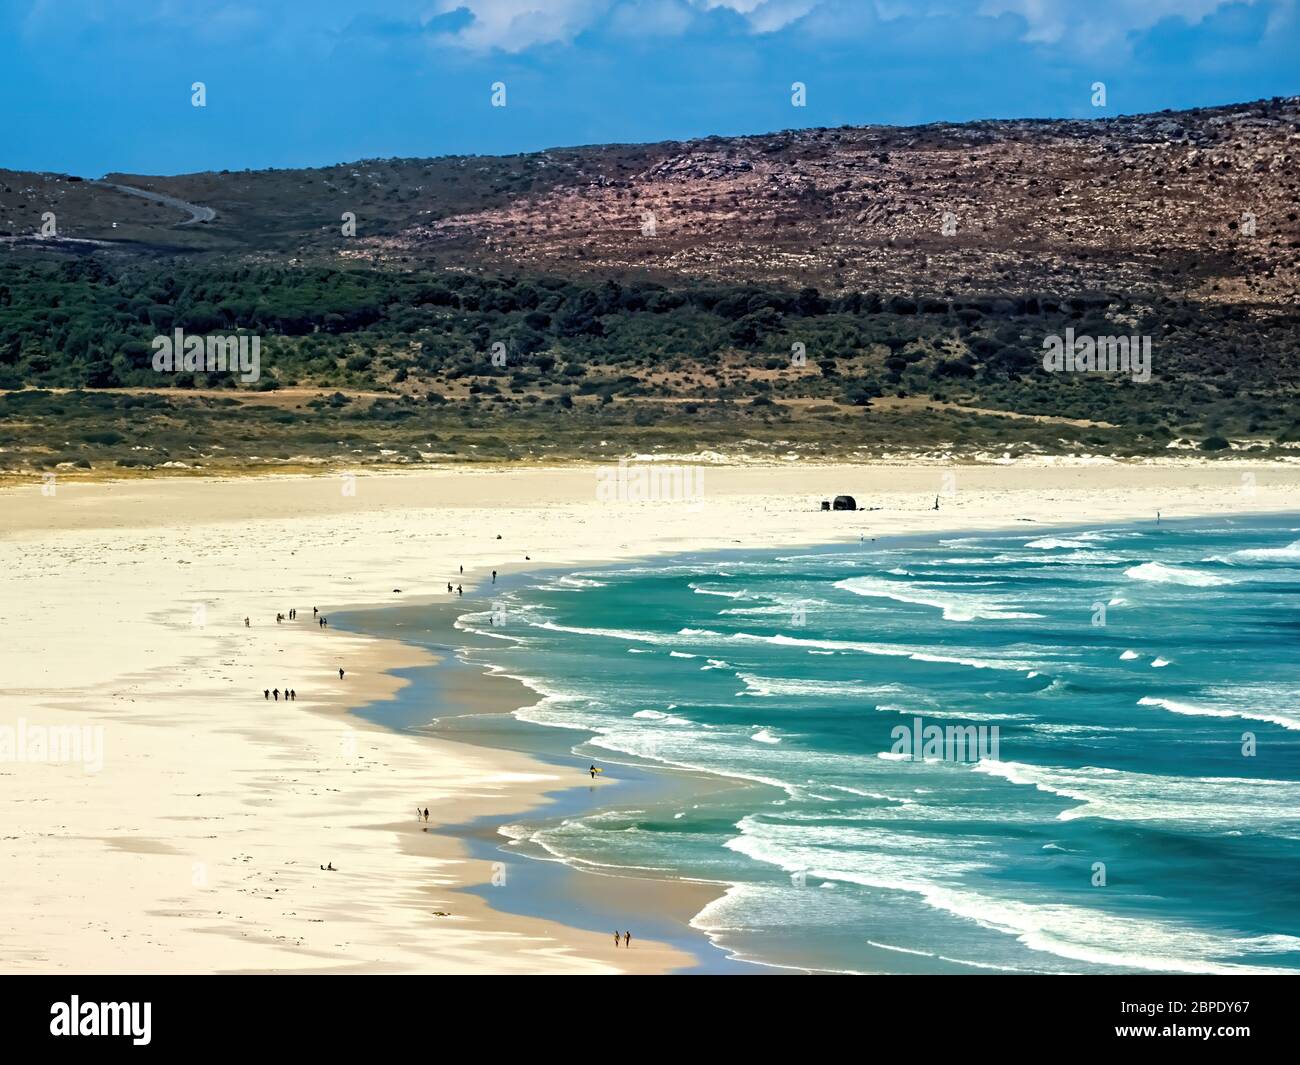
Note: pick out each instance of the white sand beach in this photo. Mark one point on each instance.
(196, 846)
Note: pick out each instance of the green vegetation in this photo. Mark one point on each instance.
(363, 365)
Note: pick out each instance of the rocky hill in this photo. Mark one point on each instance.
(1201, 203)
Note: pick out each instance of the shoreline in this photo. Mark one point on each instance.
(481, 703)
(126, 615)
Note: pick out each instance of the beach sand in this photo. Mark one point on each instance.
(196, 846)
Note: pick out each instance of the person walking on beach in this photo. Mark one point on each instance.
(314, 611)
(616, 938)
(426, 813)
(494, 576)
(293, 696)
(266, 694)
(276, 693)
(460, 590)
(462, 571)
(593, 772)
(340, 672)
(627, 940)
(246, 623)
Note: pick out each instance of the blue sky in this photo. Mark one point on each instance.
(91, 86)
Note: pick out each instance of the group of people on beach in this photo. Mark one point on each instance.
(290, 695)
(293, 616)
(627, 939)
(459, 589)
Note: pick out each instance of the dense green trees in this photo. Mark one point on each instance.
(86, 323)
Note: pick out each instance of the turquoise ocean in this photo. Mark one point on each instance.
(1132, 802)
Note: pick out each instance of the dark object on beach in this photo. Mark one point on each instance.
(844, 503)
(826, 504)
(397, 589)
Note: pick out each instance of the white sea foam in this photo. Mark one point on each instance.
(1159, 663)
(955, 607)
(888, 650)
(1128, 656)
(941, 957)
(659, 715)
(1290, 553)
(1159, 573)
(776, 686)
(1185, 708)
(776, 610)
(613, 634)
(1264, 705)
(1206, 803)
(573, 581)
(928, 866)
(726, 593)
(764, 735)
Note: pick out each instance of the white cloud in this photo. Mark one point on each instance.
(764, 16)
(1082, 25)
(1097, 23)
(515, 25)
(652, 18)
